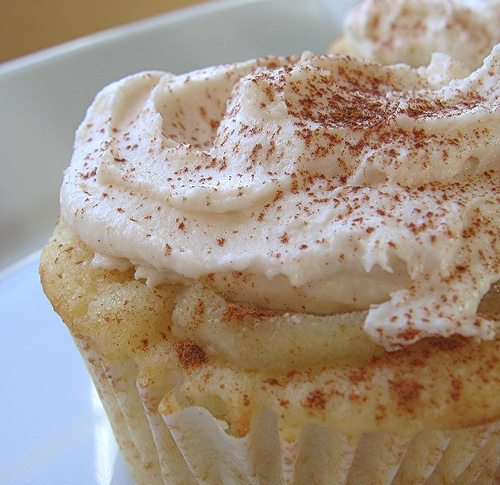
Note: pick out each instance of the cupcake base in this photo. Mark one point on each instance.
(187, 408)
(191, 446)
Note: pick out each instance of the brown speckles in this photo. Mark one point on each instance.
(315, 400)
(358, 375)
(144, 344)
(90, 174)
(189, 353)
(406, 393)
(456, 388)
(381, 412)
(238, 314)
(284, 238)
(272, 381)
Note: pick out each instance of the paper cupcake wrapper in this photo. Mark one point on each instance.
(323, 456)
(191, 446)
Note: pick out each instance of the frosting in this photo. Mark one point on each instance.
(391, 31)
(315, 183)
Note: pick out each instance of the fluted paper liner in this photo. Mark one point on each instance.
(190, 446)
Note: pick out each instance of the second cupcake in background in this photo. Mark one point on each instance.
(393, 31)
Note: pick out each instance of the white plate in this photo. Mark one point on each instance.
(52, 427)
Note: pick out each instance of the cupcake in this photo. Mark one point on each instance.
(392, 31)
(284, 271)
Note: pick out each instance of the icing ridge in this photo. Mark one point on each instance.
(319, 184)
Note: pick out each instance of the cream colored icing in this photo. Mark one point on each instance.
(317, 183)
(392, 31)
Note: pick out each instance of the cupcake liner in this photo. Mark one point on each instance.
(166, 444)
(329, 453)
(322, 456)
(115, 385)
(173, 467)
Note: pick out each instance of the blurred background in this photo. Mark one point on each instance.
(27, 26)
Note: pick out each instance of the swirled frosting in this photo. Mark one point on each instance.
(391, 31)
(318, 183)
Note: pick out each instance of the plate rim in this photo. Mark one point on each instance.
(112, 33)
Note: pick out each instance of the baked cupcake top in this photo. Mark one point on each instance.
(316, 184)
